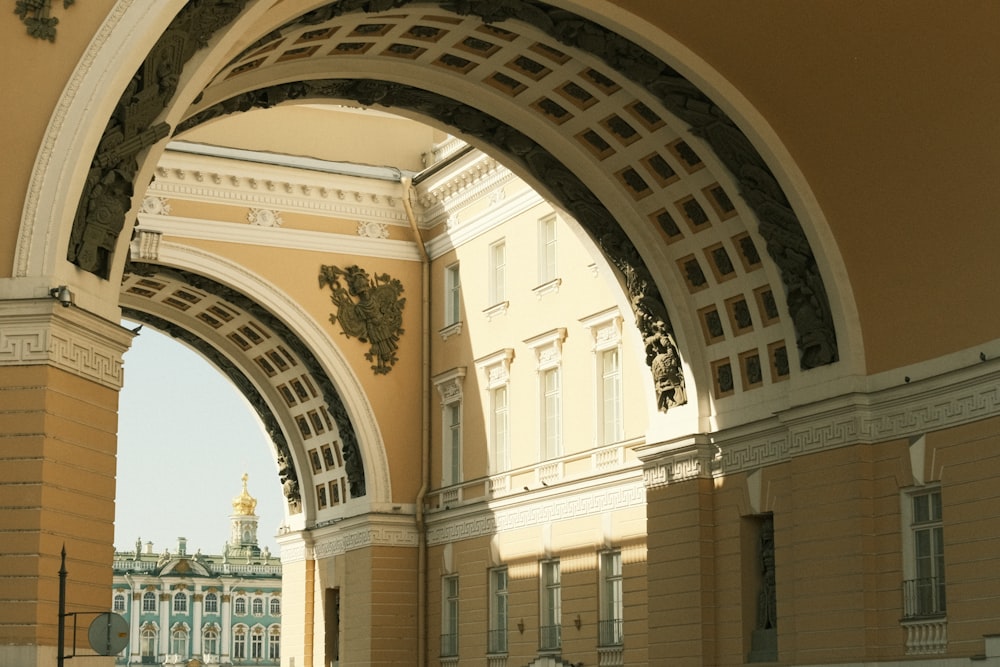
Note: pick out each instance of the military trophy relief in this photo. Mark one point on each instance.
(369, 309)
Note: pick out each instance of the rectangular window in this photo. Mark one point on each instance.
(240, 645)
(498, 272)
(924, 593)
(257, 645)
(611, 600)
(497, 640)
(550, 617)
(611, 396)
(452, 296)
(547, 249)
(452, 464)
(551, 414)
(500, 461)
(449, 615)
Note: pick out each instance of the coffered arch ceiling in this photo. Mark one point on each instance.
(668, 187)
(665, 183)
(280, 375)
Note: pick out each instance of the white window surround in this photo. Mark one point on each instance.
(548, 268)
(497, 263)
(449, 386)
(496, 370)
(548, 354)
(606, 330)
(452, 297)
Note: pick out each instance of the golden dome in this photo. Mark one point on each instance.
(244, 504)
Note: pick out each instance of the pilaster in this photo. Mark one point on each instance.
(60, 372)
(681, 567)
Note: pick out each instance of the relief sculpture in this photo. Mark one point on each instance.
(369, 309)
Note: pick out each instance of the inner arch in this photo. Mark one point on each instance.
(278, 374)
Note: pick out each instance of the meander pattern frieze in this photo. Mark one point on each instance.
(488, 521)
(72, 345)
(901, 412)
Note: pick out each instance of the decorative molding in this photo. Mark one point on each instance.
(677, 461)
(450, 330)
(42, 332)
(155, 205)
(461, 233)
(293, 239)
(449, 384)
(264, 217)
(373, 230)
(496, 367)
(548, 347)
(218, 180)
(487, 521)
(606, 328)
(366, 531)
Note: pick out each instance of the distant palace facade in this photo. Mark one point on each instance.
(197, 609)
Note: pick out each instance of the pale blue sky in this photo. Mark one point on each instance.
(185, 438)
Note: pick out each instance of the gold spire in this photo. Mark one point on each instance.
(244, 504)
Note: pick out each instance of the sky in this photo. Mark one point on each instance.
(185, 438)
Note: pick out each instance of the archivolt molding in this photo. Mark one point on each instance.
(42, 332)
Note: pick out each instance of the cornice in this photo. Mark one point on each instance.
(223, 181)
(369, 530)
(584, 501)
(275, 237)
(500, 212)
(905, 411)
(40, 331)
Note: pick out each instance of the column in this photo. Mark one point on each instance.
(165, 602)
(196, 600)
(60, 373)
(134, 624)
(226, 631)
(681, 551)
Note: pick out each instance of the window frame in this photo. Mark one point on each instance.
(611, 599)
(210, 640)
(548, 266)
(550, 606)
(449, 386)
(449, 615)
(240, 642)
(149, 602)
(497, 263)
(210, 603)
(180, 603)
(452, 295)
(499, 611)
(924, 576)
(118, 602)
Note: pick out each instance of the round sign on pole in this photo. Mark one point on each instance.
(108, 633)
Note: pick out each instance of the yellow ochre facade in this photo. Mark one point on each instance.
(585, 332)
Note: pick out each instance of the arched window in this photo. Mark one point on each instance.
(119, 603)
(274, 643)
(240, 606)
(149, 601)
(258, 607)
(275, 607)
(179, 642)
(180, 603)
(239, 643)
(147, 641)
(211, 603)
(257, 643)
(210, 641)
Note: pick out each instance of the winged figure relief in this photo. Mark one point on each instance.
(369, 309)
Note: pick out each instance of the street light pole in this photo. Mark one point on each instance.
(62, 609)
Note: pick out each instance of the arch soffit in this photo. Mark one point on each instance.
(305, 393)
(640, 141)
(624, 177)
